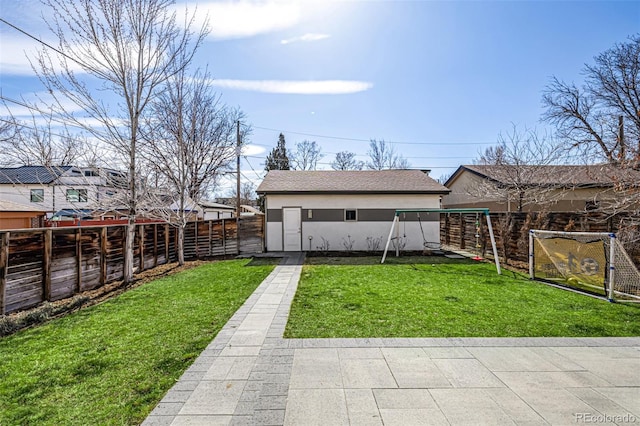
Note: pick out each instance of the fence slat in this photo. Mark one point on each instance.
(103, 255)
(78, 284)
(4, 268)
(141, 246)
(46, 265)
(155, 245)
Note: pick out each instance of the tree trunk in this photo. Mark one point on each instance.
(128, 252)
(180, 245)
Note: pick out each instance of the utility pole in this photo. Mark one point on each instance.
(238, 169)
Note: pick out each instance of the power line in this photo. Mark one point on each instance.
(369, 140)
(413, 157)
(408, 158)
(41, 42)
(246, 157)
(43, 113)
(15, 123)
(251, 166)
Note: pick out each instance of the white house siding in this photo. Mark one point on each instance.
(217, 214)
(21, 194)
(55, 197)
(337, 231)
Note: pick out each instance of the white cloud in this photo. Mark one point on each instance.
(305, 37)
(252, 150)
(313, 87)
(245, 18)
(16, 53)
(13, 55)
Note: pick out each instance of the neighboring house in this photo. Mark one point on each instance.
(558, 188)
(246, 210)
(347, 210)
(232, 201)
(17, 216)
(52, 189)
(211, 210)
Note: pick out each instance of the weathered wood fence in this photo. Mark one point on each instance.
(48, 264)
(511, 231)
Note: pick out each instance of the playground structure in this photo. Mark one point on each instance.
(395, 228)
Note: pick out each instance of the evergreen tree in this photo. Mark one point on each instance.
(277, 158)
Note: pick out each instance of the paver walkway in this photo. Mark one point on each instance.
(250, 375)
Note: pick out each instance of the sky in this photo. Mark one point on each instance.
(438, 80)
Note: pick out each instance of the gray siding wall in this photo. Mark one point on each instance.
(364, 215)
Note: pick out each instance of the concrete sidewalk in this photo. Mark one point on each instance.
(250, 375)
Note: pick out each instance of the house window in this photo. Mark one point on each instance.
(350, 215)
(90, 173)
(37, 195)
(77, 195)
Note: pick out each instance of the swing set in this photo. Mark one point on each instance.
(395, 226)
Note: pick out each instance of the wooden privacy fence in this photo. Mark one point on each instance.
(512, 231)
(48, 264)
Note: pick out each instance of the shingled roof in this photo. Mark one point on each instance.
(31, 174)
(352, 181)
(596, 175)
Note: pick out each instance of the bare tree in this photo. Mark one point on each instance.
(130, 48)
(601, 119)
(589, 117)
(346, 160)
(444, 177)
(33, 144)
(247, 193)
(306, 155)
(383, 156)
(8, 129)
(517, 166)
(188, 145)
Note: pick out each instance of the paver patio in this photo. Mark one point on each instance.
(250, 375)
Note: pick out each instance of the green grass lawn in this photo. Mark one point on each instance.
(440, 297)
(111, 363)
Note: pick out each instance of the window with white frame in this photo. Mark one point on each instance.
(76, 195)
(37, 195)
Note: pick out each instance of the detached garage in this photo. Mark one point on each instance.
(348, 210)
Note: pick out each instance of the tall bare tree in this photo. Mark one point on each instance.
(589, 116)
(306, 155)
(127, 48)
(600, 119)
(518, 168)
(383, 156)
(346, 160)
(187, 146)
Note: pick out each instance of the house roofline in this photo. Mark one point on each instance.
(501, 184)
(325, 192)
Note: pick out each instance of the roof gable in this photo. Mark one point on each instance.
(352, 181)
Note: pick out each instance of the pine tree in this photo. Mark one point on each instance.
(277, 158)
